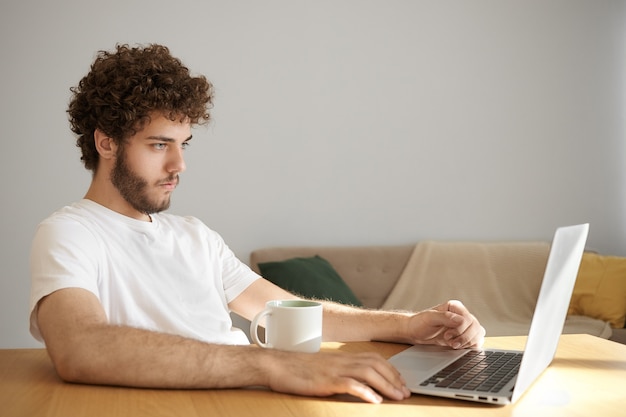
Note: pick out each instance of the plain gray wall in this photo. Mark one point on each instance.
(339, 122)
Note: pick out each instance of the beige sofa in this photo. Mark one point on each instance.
(373, 272)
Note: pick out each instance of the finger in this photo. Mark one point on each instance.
(457, 307)
(393, 385)
(472, 337)
(367, 393)
(430, 326)
(446, 318)
(453, 306)
(464, 330)
(363, 392)
(477, 339)
(453, 315)
(376, 373)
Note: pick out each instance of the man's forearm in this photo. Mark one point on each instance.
(345, 323)
(127, 356)
(85, 348)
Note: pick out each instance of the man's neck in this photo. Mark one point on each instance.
(109, 197)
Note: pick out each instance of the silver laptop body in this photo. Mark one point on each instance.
(427, 369)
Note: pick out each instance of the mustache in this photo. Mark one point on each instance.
(173, 179)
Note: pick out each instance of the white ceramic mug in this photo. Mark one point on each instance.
(294, 325)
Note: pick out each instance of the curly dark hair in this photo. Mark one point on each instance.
(124, 87)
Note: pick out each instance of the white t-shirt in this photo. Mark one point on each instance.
(172, 275)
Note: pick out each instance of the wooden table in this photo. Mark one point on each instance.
(587, 378)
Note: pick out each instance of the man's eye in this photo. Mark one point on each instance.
(159, 146)
(185, 145)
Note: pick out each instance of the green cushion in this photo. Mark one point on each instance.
(310, 278)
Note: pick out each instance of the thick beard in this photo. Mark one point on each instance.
(133, 188)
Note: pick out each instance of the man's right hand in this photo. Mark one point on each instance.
(367, 376)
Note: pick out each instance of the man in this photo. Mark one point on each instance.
(124, 294)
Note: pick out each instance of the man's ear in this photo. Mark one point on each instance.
(106, 147)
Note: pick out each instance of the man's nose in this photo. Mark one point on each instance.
(176, 161)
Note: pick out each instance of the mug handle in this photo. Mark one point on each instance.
(254, 327)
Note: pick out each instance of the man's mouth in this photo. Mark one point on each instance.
(169, 184)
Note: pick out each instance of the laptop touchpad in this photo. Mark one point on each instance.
(423, 360)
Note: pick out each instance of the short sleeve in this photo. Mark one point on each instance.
(63, 255)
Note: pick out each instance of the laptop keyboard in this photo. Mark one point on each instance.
(482, 371)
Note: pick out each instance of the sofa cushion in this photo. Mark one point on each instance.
(600, 290)
(312, 277)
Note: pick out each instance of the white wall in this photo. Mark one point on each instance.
(339, 122)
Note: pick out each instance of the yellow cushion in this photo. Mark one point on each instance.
(600, 290)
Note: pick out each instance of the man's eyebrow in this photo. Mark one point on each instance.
(167, 139)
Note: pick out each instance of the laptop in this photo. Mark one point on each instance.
(462, 374)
